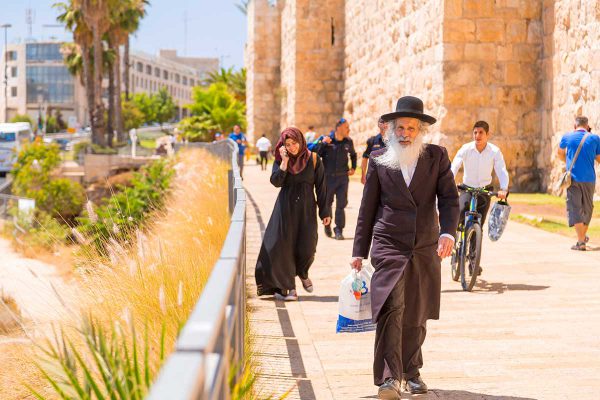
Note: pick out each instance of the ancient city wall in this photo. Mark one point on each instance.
(263, 59)
(492, 72)
(571, 72)
(312, 63)
(392, 49)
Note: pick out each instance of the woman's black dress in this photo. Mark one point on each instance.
(290, 240)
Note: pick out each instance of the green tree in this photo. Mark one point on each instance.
(218, 106)
(235, 81)
(144, 103)
(165, 108)
(132, 116)
(198, 128)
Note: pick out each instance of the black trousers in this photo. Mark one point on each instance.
(397, 347)
(337, 186)
(483, 205)
(263, 160)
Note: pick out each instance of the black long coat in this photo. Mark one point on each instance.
(290, 240)
(403, 225)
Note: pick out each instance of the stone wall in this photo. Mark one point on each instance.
(312, 63)
(263, 59)
(491, 73)
(392, 49)
(572, 74)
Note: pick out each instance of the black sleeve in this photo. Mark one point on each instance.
(369, 148)
(447, 197)
(352, 154)
(321, 189)
(277, 175)
(367, 213)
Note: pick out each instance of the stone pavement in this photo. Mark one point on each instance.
(530, 329)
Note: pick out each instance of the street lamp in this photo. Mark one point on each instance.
(6, 26)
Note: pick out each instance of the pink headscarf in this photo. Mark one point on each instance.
(298, 162)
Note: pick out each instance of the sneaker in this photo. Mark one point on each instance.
(307, 284)
(580, 246)
(286, 295)
(390, 390)
(328, 231)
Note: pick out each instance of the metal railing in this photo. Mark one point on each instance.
(211, 344)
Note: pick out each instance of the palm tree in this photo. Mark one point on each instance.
(235, 81)
(131, 23)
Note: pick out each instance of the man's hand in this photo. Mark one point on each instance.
(363, 179)
(326, 221)
(502, 194)
(445, 247)
(351, 172)
(327, 140)
(356, 263)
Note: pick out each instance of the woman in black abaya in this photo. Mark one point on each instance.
(290, 240)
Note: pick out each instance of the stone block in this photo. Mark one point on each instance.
(516, 31)
(461, 73)
(513, 73)
(478, 8)
(453, 8)
(490, 30)
(480, 51)
(459, 30)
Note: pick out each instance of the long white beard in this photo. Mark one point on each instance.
(396, 156)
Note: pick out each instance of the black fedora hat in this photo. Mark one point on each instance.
(409, 106)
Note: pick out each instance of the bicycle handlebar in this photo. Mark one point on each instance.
(476, 190)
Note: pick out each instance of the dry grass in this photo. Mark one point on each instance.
(153, 282)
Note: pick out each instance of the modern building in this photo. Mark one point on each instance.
(39, 82)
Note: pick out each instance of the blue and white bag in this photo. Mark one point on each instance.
(355, 302)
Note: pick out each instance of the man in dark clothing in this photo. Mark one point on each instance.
(398, 221)
(335, 149)
(374, 143)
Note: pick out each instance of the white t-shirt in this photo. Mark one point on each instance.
(263, 144)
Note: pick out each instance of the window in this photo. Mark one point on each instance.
(13, 91)
(51, 84)
(157, 72)
(176, 78)
(43, 52)
(184, 81)
(148, 70)
(139, 67)
(11, 55)
(13, 72)
(166, 75)
(191, 82)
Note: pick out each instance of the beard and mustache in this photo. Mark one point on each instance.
(396, 155)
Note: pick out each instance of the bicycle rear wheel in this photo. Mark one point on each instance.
(470, 257)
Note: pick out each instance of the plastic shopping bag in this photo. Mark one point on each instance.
(498, 219)
(355, 302)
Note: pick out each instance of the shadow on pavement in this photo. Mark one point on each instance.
(483, 286)
(320, 299)
(455, 395)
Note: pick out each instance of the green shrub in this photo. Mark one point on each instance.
(126, 210)
(32, 178)
(97, 149)
(80, 148)
(23, 118)
(198, 129)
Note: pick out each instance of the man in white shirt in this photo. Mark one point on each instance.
(311, 135)
(479, 158)
(264, 146)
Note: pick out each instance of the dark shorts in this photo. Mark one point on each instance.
(580, 202)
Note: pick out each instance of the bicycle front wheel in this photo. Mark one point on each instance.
(454, 264)
(470, 257)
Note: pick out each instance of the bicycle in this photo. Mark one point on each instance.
(466, 253)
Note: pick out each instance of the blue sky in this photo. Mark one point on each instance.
(216, 28)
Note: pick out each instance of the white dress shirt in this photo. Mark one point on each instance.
(263, 144)
(478, 166)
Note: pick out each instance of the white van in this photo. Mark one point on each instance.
(12, 138)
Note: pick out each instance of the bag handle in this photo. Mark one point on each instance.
(578, 150)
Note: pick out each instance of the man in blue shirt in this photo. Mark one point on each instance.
(580, 195)
(238, 136)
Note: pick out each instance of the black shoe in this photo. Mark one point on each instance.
(339, 236)
(479, 271)
(415, 385)
(390, 390)
(328, 231)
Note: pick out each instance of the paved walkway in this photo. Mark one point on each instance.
(530, 330)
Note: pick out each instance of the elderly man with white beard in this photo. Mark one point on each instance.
(399, 222)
